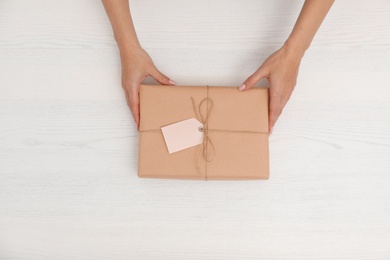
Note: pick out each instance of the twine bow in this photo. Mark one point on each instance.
(204, 129)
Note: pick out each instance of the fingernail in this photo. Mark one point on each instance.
(172, 82)
(270, 131)
(242, 87)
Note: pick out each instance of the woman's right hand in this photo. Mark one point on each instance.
(136, 66)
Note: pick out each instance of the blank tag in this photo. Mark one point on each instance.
(183, 134)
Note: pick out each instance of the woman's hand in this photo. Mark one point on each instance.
(136, 66)
(136, 62)
(281, 69)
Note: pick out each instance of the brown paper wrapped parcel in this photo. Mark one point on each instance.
(234, 132)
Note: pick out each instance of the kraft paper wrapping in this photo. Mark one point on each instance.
(235, 144)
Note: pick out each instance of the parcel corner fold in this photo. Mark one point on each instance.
(237, 126)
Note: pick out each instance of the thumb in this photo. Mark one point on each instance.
(251, 81)
(161, 78)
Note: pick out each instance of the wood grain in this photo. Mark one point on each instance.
(69, 147)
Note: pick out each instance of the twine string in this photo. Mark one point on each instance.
(205, 130)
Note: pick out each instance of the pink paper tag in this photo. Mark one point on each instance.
(182, 134)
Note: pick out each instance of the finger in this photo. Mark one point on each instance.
(161, 78)
(275, 110)
(129, 104)
(273, 117)
(134, 104)
(127, 96)
(251, 81)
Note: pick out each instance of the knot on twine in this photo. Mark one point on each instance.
(204, 120)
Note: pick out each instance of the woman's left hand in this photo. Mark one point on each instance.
(281, 69)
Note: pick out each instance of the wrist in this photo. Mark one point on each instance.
(127, 43)
(128, 50)
(295, 48)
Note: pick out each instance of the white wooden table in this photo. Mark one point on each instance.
(69, 147)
